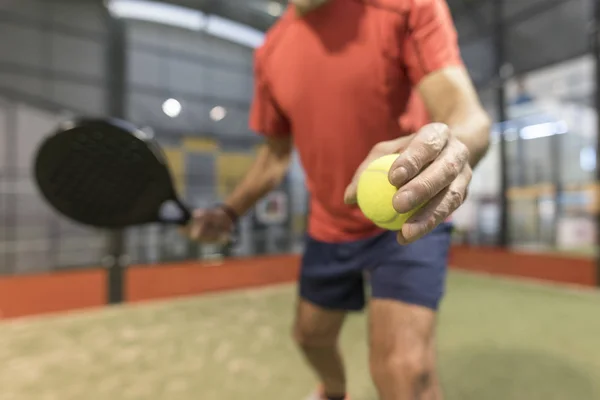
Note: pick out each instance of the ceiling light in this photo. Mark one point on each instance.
(172, 108)
(187, 18)
(234, 31)
(168, 14)
(274, 9)
(587, 159)
(218, 113)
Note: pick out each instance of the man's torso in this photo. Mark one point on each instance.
(337, 75)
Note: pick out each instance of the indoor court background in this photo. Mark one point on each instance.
(521, 316)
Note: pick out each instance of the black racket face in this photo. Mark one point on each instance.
(105, 173)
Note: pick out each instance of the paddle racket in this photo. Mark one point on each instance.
(107, 173)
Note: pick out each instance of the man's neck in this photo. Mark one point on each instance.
(303, 9)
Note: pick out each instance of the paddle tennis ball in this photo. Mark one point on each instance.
(375, 193)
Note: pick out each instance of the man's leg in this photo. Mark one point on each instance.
(403, 351)
(407, 287)
(316, 331)
(331, 284)
(434, 391)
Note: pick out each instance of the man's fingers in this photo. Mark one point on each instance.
(350, 193)
(379, 150)
(195, 230)
(210, 230)
(204, 226)
(435, 178)
(437, 210)
(423, 149)
(210, 226)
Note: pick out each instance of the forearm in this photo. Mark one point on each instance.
(473, 130)
(265, 174)
(451, 99)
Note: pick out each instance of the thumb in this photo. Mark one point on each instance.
(350, 193)
(196, 225)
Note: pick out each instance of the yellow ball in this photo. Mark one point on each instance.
(375, 193)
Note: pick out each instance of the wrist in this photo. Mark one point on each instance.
(231, 213)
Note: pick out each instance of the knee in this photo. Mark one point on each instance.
(411, 366)
(308, 337)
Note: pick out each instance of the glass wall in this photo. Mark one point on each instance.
(550, 129)
(553, 157)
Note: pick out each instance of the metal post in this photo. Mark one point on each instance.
(595, 43)
(557, 165)
(12, 174)
(499, 45)
(116, 70)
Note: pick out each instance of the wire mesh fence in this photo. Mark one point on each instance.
(34, 238)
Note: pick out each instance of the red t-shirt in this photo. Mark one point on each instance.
(338, 79)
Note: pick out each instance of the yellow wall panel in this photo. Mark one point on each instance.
(299, 223)
(231, 168)
(201, 145)
(176, 162)
(532, 191)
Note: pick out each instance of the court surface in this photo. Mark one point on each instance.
(499, 340)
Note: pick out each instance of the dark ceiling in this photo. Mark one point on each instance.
(538, 32)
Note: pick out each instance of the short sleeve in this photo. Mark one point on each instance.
(266, 118)
(432, 41)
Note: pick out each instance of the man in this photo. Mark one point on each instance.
(332, 80)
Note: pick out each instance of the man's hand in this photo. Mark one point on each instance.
(379, 150)
(212, 225)
(432, 169)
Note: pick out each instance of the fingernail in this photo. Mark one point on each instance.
(413, 230)
(349, 198)
(400, 239)
(399, 176)
(404, 202)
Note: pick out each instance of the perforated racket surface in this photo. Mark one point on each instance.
(107, 174)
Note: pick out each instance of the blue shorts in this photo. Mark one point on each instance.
(333, 275)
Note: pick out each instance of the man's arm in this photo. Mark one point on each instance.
(434, 169)
(435, 67)
(215, 225)
(267, 171)
(265, 174)
(273, 158)
(451, 99)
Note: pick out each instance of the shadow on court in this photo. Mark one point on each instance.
(510, 374)
(515, 374)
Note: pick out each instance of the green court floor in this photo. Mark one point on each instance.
(499, 340)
